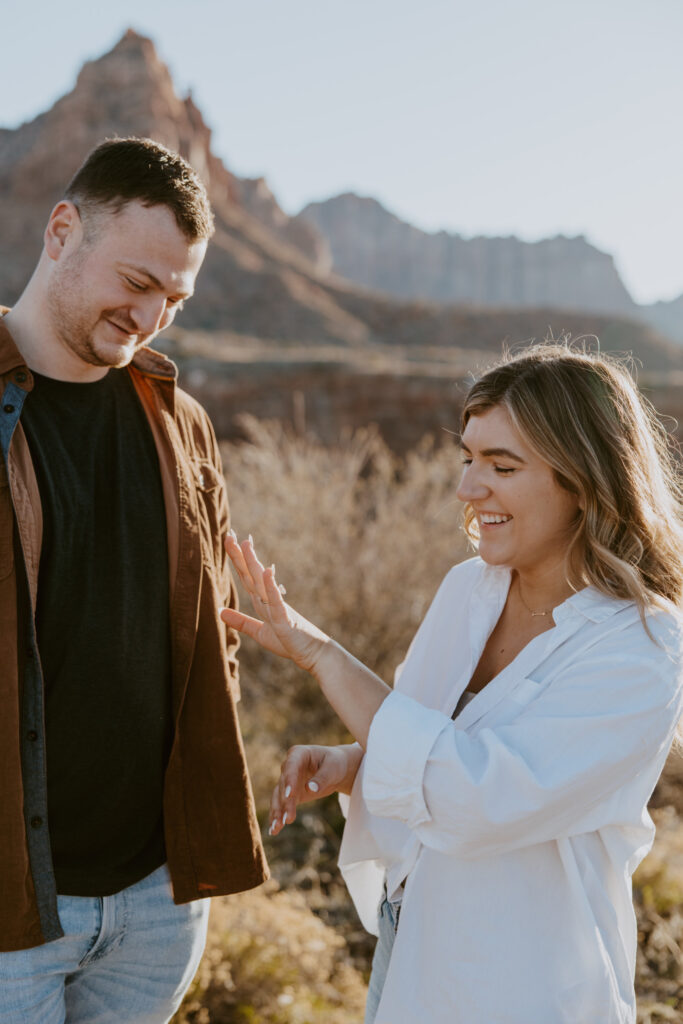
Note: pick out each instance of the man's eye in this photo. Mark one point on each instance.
(504, 470)
(136, 285)
(466, 461)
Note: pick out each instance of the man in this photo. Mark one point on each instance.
(125, 799)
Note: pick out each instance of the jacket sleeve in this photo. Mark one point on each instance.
(555, 770)
(228, 588)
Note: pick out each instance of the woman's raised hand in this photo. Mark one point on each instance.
(308, 773)
(278, 628)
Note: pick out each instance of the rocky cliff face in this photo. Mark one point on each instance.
(266, 276)
(372, 247)
(666, 317)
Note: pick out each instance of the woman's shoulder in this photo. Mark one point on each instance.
(612, 631)
(665, 623)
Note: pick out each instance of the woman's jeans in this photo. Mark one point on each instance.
(124, 959)
(388, 923)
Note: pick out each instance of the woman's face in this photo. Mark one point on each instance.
(525, 517)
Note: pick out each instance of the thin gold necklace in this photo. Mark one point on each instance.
(530, 610)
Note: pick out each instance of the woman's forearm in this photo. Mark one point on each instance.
(354, 692)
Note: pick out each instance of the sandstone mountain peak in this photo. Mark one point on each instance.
(372, 246)
(265, 275)
(127, 91)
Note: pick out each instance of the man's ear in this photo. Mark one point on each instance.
(64, 230)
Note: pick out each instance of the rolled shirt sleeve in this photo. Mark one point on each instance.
(554, 769)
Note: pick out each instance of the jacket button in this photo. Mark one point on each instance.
(36, 822)
(8, 408)
(32, 735)
(21, 377)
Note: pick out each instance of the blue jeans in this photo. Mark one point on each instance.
(124, 959)
(388, 923)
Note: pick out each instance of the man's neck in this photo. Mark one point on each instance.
(30, 327)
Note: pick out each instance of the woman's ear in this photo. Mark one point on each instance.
(64, 230)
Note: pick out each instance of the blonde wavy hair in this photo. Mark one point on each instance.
(582, 413)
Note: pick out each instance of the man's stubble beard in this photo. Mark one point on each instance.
(73, 322)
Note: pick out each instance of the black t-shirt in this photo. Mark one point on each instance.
(103, 630)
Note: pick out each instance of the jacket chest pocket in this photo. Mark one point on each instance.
(6, 525)
(208, 484)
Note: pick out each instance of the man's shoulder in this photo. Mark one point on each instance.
(192, 410)
(190, 416)
(158, 367)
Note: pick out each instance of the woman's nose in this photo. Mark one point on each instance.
(471, 486)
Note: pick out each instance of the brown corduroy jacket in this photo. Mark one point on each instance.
(212, 837)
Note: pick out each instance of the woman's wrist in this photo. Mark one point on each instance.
(354, 755)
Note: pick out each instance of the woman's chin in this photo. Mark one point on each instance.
(491, 556)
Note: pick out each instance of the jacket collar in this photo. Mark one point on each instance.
(147, 360)
(10, 356)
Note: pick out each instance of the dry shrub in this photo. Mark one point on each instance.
(658, 893)
(361, 539)
(269, 960)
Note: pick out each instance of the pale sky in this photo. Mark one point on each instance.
(526, 117)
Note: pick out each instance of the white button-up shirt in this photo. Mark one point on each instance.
(518, 825)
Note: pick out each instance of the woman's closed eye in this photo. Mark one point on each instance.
(502, 470)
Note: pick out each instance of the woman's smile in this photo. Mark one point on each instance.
(492, 518)
(506, 482)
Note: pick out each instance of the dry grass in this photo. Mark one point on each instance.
(361, 539)
(269, 960)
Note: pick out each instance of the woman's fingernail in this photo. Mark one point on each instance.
(288, 791)
(313, 786)
(272, 569)
(233, 535)
(221, 610)
(284, 818)
(251, 540)
(273, 826)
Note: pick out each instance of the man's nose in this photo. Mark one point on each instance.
(151, 314)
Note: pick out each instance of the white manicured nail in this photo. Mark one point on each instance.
(288, 791)
(313, 786)
(273, 826)
(284, 818)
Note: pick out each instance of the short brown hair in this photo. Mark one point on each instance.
(119, 171)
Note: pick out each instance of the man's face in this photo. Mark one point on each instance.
(112, 289)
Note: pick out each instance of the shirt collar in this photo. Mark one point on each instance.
(590, 602)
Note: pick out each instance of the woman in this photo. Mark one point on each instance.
(499, 792)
